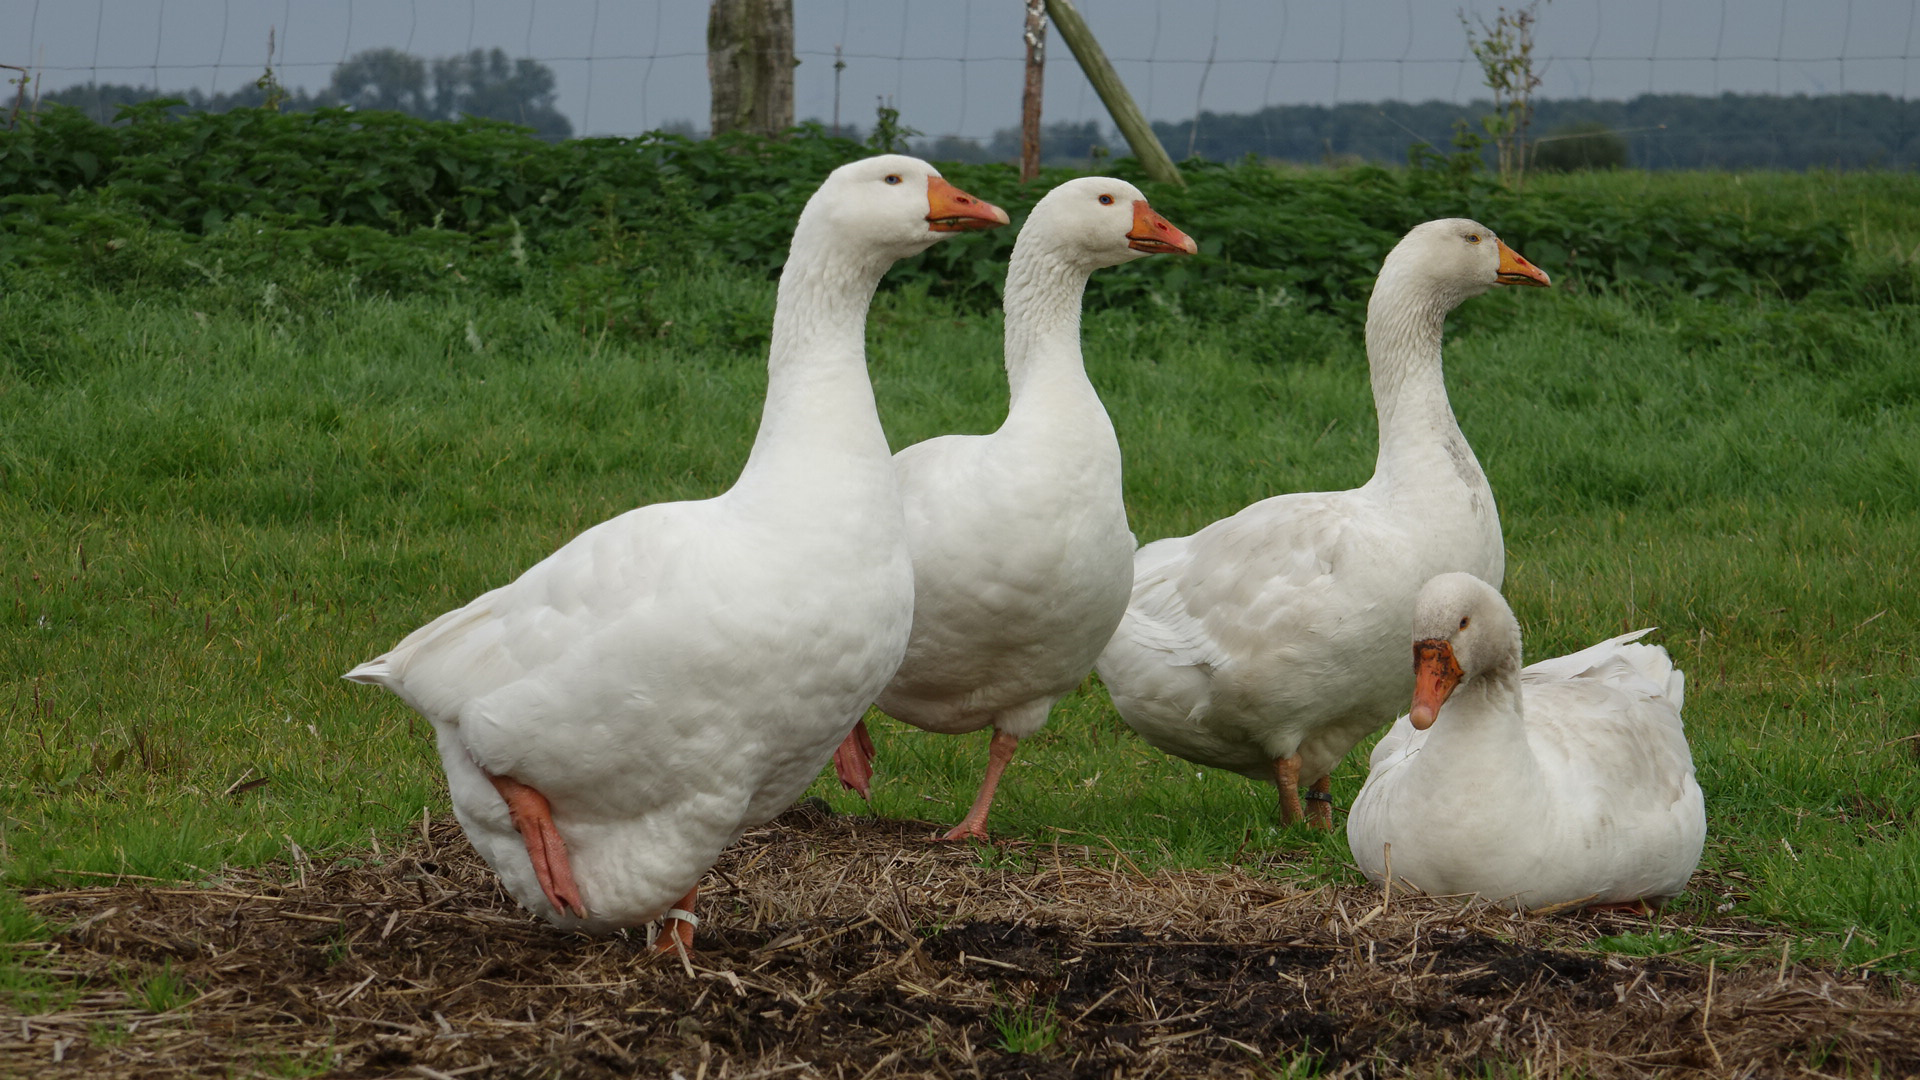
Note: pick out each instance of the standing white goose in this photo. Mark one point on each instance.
(1567, 782)
(1268, 643)
(1022, 558)
(673, 676)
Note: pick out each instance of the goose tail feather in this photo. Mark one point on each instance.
(375, 672)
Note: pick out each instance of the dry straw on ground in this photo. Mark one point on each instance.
(849, 948)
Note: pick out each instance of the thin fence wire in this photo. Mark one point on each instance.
(953, 69)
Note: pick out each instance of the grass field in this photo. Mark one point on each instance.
(1876, 210)
(214, 501)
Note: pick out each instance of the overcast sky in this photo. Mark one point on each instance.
(954, 66)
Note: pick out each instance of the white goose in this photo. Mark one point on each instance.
(1564, 783)
(678, 674)
(1269, 643)
(1022, 557)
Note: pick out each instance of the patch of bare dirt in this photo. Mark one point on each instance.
(848, 947)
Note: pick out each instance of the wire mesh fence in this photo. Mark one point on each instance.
(1294, 79)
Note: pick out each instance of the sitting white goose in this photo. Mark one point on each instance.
(1022, 558)
(1564, 783)
(678, 674)
(1268, 643)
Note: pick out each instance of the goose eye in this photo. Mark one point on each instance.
(1473, 238)
(1464, 622)
(893, 178)
(1106, 200)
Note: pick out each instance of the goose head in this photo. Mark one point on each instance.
(1100, 221)
(1463, 630)
(897, 205)
(1457, 258)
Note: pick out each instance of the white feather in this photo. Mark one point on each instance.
(1281, 630)
(1021, 551)
(1569, 780)
(680, 673)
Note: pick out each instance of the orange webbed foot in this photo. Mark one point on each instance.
(853, 761)
(533, 817)
(966, 830)
(1625, 907)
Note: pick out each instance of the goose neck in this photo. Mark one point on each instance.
(1405, 322)
(1043, 295)
(1483, 723)
(819, 407)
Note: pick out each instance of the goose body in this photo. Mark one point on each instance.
(1270, 642)
(1021, 553)
(1567, 782)
(669, 678)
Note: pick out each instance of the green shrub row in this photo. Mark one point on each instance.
(402, 204)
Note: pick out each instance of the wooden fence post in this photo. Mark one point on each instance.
(1030, 101)
(750, 65)
(1113, 93)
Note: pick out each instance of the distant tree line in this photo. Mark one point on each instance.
(479, 83)
(1652, 131)
(1657, 131)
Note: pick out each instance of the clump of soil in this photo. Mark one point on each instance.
(850, 947)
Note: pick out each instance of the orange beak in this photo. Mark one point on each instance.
(1516, 270)
(1156, 235)
(951, 210)
(1435, 674)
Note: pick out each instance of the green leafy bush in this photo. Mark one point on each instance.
(385, 202)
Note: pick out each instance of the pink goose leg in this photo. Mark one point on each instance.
(676, 934)
(974, 825)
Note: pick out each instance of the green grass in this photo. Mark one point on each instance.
(24, 978)
(162, 990)
(1026, 1029)
(215, 501)
(297, 1065)
(1656, 941)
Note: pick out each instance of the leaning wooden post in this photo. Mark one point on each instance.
(1030, 102)
(1113, 93)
